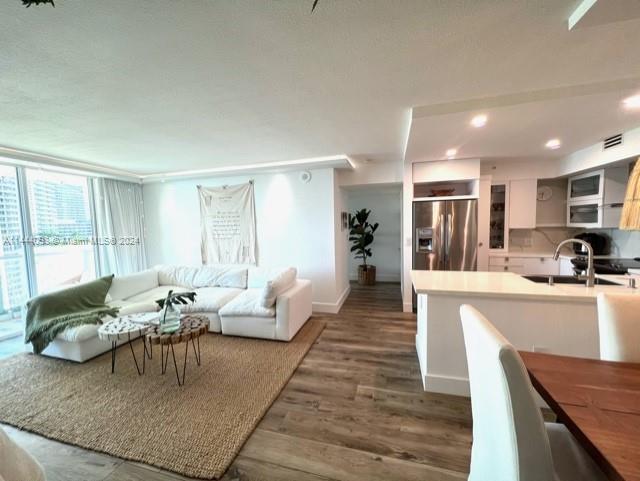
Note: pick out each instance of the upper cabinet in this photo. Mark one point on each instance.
(589, 186)
(522, 203)
(594, 199)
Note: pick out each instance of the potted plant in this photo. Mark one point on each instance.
(361, 237)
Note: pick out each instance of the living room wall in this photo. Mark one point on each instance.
(294, 221)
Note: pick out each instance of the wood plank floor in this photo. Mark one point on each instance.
(354, 410)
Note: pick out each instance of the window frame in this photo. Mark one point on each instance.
(28, 248)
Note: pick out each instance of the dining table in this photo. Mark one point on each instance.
(599, 402)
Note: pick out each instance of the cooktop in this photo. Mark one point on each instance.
(618, 265)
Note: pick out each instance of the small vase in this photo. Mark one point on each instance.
(169, 319)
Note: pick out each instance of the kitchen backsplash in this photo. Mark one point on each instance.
(541, 240)
(623, 243)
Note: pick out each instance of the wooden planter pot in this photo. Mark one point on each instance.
(366, 275)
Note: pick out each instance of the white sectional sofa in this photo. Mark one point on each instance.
(238, 301)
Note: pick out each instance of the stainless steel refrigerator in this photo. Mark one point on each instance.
(445, 236)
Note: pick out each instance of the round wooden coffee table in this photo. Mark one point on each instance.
(191, 328)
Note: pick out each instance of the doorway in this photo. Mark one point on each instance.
(385, 203)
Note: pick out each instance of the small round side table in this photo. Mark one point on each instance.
(191, 328)
(125, 328)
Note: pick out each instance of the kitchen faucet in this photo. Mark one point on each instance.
(591, 272)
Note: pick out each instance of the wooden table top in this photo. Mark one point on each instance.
(599, 402)
(191, 327)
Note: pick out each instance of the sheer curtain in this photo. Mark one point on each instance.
(119, 215)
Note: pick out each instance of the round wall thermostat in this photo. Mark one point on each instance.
(305, 176)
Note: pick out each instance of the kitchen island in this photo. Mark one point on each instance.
(558, 319)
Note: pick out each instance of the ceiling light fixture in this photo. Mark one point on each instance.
(451, 153)
(479, 121)
(553, 144)
(632, 102)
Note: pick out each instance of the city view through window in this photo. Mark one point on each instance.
(57, 238)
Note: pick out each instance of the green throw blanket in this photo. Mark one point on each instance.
(50, 314)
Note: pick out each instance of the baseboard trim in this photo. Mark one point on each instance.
(407, 307)
(379, 277)
(458, 386)
(332, 307)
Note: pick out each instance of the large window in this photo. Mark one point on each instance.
(61, 229)
(46, 234)
(13, 277)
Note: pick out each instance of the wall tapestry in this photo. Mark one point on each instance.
(228, 224)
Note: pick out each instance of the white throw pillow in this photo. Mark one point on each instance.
(234, 277)
(277, 285)
(258, 277)
(176, 275)
(132, 284)
(221, 276)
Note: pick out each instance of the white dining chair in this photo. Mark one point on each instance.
(619, 327)
(511, 442)
(16, 464)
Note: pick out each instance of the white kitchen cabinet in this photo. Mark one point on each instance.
(543, 265)
(506, 264)
(513, 268)
(594, 199)
(522, 203)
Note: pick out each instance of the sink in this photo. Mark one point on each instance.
(569, 280)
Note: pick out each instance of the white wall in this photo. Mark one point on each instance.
(295, 225)
(385, 203)
(371, 173)
(341, 242)
(407, 236)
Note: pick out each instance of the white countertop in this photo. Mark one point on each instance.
(505, 284)
(563, 255)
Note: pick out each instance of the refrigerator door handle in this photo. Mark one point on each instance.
(449, 233)
(442, 239)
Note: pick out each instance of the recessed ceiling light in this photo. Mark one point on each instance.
(451, 153)
(632, 102)
(553, 144)
(479, 120)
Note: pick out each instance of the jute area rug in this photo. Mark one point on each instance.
(195, 430)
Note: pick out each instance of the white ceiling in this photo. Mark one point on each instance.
(520, 129)
(152, 86)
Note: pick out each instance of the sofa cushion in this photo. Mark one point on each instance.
(221, 276)
(248, 303)
(258, 277)
(176, 275)
(79, 333)
(211, 299)
(277, 285)
(152, 295)
(123, 287)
